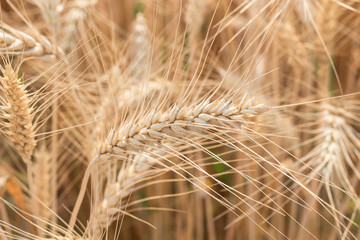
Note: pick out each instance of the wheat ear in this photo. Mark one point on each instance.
(334, 153)
(139, 49)
(16, 42)
(137, 168)
(333, 160)
(179, 121)
(18, 113)
(331, 148)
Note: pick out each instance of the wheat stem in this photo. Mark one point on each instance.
(42, 185)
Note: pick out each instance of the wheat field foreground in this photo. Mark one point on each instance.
(180, 119)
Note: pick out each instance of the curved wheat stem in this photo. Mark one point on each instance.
(18, 113)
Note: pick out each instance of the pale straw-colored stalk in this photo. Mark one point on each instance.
(42, 188)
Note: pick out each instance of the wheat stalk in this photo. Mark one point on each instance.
(18, 113)
(135, 137)
(42, 188)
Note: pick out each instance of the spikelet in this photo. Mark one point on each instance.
(17, 113)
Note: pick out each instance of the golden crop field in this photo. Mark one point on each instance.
(179, 119)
